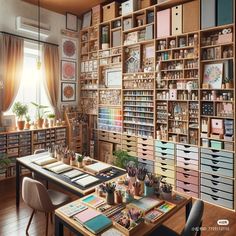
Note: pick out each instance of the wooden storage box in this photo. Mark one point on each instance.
(146, 3)
(110, 11)
(225, 38)
(96, 16)
(129, 7)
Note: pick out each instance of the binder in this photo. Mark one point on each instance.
(163, 23)
(208, 13)
(176, 20)
(224, 12)
(191, 16)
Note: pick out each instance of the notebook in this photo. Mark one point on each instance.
(84, 182)
(86, 215)
(98, 224)
(61, 168)
(145, 204)
(73, 173)
(93, 201)
(45, 160)
(49, 166)
(72, 209)
(98, 167)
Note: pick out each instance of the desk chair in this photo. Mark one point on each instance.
(194, 221)
(36, 196)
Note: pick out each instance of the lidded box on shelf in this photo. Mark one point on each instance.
(96, 16)
(110, 11)
(129, 7)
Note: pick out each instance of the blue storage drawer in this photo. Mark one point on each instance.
(217, 158)
(217, 163)
(163, 144)
(217, 152)
(217, 200)
(217, 192)
(164, 150)
(213, 170)
(218, 178)
(164, 155)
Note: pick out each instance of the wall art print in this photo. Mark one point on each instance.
(68, 92)
(69, 48)
(68, 70)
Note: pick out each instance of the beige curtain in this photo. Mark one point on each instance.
(52, 74)
(11, 66)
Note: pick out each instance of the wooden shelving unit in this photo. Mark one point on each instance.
(164, 102)
(22, 143)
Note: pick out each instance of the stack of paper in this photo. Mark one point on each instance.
(61, 168)
(73, 173)
(72, 209)
(44, 160)
(84, 182)
(98, 167)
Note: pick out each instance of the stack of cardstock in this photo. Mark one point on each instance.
(93, 201)
(98, 167)
(86, 181)
(72, 209)
(44, 160)
(166, 207)
(49, 166)
(153, 215)
(73, 173)
(61, 168)
(145, 204)
(93, 220)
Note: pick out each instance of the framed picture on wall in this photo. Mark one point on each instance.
(71, 22)
(113, 78)
(68, 70)
(87, 19)
(68, 92)
(9, 122)
(213, 74)
(69, 48)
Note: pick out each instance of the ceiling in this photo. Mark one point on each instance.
(77, 7)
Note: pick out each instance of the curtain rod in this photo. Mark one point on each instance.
(3, 32)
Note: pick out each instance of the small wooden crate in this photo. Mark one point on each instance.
(146, 3)
(110, 11)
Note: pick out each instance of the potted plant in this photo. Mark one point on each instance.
(51, 118)
(40, 112)
(166, 191)
(4, 163)
(20, 110)
(228, 83)
(122, 158)
(80, 160)
(28, 119)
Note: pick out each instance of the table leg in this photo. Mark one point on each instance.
(188, 209)
(17, 184)
(58, 226)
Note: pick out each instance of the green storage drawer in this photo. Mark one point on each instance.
(224, 12)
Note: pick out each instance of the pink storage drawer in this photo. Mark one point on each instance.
(187, 160)
(187, 192)
(163, 23)
(187, 186)
(187, 178)
(187, 171)
(187, 165)
(145, 146)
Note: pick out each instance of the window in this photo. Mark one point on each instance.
(31, 86)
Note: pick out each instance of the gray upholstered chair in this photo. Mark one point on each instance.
(36, 196)
(194, 221)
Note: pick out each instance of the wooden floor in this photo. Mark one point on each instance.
(13, 223)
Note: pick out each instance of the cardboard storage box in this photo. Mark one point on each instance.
(129, 7)
(110, 11)
(146, 3)
(163, 23)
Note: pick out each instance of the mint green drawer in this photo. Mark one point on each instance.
(217, 192)
(164, 150)
(217, 152)
(213, 170)
(217, 200)
(164, 155)
(217, 163)
(217, 185)
(217, 157)
(163, 144)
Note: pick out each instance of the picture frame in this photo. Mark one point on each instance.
(113, 78)
(68, 92)
(69, 48)
(68, 70)
(9, 122)
(87, 17)
(71, 22)
(213, 75)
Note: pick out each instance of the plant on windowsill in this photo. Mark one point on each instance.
(40, 113)
(28, 119)
(51, 118)
(20, 110)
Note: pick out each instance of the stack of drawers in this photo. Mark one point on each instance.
(187, 178)
(165, 161)
(145, 148)
(217, 175)
(129, 144)
(110, 137)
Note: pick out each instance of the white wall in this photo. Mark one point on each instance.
(9, 9)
